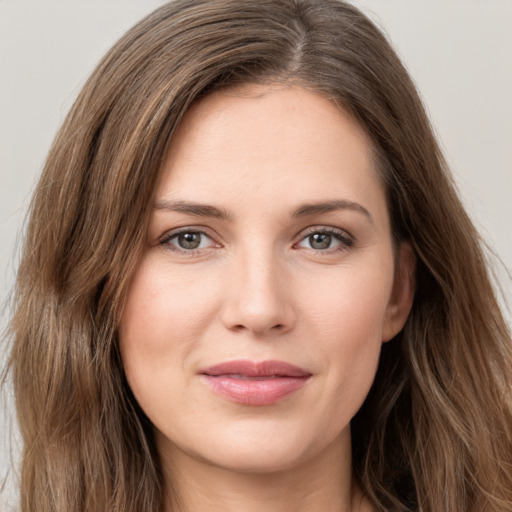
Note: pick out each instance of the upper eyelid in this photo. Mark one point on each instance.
(186, 229)
(323, 229)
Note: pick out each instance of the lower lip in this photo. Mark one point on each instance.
(254, 391)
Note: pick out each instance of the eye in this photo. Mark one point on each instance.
(187, 241)
(326, 239)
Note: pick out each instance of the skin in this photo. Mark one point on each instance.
(259, 286)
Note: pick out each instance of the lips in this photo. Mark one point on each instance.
(251, 383)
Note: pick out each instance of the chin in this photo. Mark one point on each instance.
(254, 461)
(258, 449)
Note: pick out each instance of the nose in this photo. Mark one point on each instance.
(258, 299)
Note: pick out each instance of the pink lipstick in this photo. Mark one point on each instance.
(251, 383)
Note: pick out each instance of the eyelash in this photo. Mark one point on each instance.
(346, 241)
(167, 240)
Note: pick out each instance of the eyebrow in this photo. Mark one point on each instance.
(304, 210)
(196, 209)
(310, 209)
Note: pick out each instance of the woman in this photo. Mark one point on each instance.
(248, 282)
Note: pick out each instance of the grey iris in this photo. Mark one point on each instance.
(189, 240)
(320, 241)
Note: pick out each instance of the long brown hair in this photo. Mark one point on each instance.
(435, 432)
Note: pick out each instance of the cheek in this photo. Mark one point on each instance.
(353, 341)
(162, 304)
(350, 303)
(346, 318)
(163, 316)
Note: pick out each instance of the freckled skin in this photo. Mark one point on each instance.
(260, 286)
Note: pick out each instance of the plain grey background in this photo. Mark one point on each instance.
(458, 52)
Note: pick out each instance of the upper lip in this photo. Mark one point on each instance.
(256, 369)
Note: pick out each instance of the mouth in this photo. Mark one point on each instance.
(255, 383)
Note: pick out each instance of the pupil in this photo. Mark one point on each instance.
(320, 241)
(189, 240)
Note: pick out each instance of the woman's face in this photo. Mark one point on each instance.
(253, 325)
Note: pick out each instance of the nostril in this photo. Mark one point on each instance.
(241, 327)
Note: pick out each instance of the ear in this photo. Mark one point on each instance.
(402, 294)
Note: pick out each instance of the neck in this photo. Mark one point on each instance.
(323, 482)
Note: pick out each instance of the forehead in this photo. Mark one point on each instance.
(272, 143)
(268, 120)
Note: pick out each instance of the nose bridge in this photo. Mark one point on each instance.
(258, 299)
